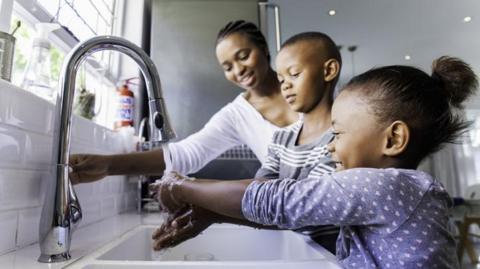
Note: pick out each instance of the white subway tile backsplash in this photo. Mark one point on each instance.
(4, 100)
(131, 200)
(108, 206)
(20, 188)
(92, 211)
(26, 142)
(12, 146)
(98, 188)
(105, 188)
(28, 221)
(8, 228)
(83, 191)
(83, 130)
(30, 113)
(101, 138)
(122, 202)
(117, 182)
(38, 151)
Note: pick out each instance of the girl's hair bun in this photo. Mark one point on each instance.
(457, 79)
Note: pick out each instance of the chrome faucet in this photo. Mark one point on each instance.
(61, 211)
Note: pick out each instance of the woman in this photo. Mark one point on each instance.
(250, 119)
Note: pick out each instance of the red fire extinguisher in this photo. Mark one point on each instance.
(125, 105)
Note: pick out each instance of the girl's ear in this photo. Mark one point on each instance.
(331, 69)
(398, 136)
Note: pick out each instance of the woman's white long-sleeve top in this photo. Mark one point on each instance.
(236, 123)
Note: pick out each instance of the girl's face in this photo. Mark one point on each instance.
(359, 138)
(242, 61)
(301, 76)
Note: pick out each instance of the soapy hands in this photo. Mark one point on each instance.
(164, 191)
(182, 226)
(185, 221)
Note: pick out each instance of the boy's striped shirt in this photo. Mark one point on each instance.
(287, 160)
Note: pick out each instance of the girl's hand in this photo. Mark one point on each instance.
(186, 224)
(163, 191)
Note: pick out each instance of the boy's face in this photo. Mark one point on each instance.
(242, 61)
(301, 74)
(359, 138)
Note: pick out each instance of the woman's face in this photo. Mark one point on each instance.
(243, 63)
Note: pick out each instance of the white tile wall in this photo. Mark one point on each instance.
(26, 127)
(20, 188)
(28, 219)
(8, 228)
(12, 145)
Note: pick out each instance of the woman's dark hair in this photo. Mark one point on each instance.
(429, 105)
(248, 29)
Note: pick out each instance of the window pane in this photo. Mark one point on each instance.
(23, 50)
(85, 18)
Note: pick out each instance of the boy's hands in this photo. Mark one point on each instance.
(87, 168)
(182, 226)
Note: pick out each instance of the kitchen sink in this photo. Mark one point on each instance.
(270, 265)
(220, 246)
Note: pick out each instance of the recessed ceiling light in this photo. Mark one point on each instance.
(407, 57)
(332, 12)
(467, 19)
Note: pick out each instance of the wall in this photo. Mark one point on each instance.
(385, 31)
(26, 126)
(183, 35)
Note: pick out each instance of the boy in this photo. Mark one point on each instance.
(308, 67)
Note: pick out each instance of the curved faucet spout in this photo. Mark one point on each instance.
(61, 210)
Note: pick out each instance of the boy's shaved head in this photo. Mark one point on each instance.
(308, 68)
(321, 42)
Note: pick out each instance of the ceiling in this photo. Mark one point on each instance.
(385, 31)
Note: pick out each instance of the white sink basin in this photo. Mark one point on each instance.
(220, 246)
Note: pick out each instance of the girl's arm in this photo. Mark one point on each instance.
(222, 197)
(352, 197)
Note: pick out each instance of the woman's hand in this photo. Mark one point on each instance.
(164, 191)
(87, 168)
(182, 226)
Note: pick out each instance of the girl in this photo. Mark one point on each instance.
(392, 216)
(250, 119)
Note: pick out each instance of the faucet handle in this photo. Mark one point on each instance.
(159, 122)
(74, 207)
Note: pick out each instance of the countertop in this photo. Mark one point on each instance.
(83, 242)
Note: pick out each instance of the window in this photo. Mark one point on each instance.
(81, 19)
(23, 45)
(85, 19)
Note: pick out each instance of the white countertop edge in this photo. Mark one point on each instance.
(83, 243)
